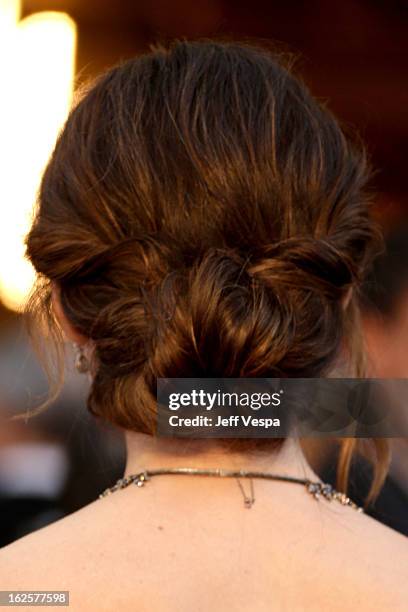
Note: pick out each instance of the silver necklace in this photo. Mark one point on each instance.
(316, 489)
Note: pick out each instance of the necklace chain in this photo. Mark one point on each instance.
(316, 489)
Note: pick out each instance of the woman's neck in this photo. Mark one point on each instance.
(145, 452)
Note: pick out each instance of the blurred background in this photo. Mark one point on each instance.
(352, 53)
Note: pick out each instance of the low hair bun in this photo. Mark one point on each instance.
(235, 316)
(202, 215)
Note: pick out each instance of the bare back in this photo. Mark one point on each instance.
(176, 547)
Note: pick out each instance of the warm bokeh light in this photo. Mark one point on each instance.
(10, 11)
(37, 73)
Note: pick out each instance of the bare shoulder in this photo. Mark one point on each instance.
(47, 557)
(71, 555)
(371, 557)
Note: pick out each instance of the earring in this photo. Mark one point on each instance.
(81, 361)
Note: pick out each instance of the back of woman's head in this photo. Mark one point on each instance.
(202, 216)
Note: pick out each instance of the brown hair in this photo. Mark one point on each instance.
(203, 216)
